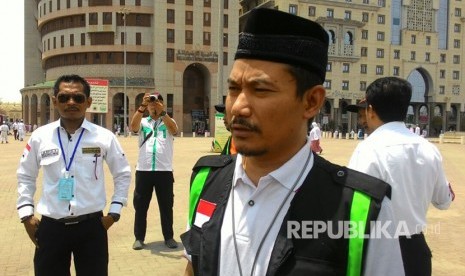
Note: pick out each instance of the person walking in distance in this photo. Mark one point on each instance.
(15, 129)
(21, 130)
(409, 163)
(4, 130)
(154, 170)
(71, 152)
(315, 138)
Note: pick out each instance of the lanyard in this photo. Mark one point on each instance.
(299, 178)
(156, 124)
(67, 166)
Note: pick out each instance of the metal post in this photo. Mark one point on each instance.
(219, 86)
(124, 12)
(220, 52)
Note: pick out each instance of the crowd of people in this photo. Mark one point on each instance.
(17, 128)
(275, 88)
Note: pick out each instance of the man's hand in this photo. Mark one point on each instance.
(159, 107)
(189, 269)
(145, 99)
(107, 221)
(32, 224)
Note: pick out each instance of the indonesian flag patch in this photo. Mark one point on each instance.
(26, 151)
(204, 212)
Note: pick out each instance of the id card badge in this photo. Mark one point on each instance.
(65, 188)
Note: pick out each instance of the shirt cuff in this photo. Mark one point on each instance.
(26, 211)
(115, 207)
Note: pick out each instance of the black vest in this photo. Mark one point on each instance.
(326, 195)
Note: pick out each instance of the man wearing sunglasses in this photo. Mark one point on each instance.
(154, 170)
(71, 151)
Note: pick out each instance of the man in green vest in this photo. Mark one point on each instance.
(276, 208)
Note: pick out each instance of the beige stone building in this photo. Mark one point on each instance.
(11, 111)
(419, 40)
(180, 48)
(173, 46)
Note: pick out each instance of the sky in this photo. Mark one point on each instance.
(11, 50)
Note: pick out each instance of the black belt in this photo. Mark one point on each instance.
(75, 220)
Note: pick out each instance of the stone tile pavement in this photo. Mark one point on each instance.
(444, 233)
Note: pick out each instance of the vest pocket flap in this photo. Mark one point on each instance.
(191, 241)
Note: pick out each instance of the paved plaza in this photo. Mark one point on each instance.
(445, 232)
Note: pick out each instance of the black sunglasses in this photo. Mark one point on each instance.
(77, 98)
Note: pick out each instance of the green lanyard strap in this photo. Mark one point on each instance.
(358, 216)
(196, 189)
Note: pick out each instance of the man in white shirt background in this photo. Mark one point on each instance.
(406, 161)
(71, 152)
(4, 130)
(154, 170)
(315, 138)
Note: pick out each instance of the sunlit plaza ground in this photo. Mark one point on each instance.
(444, 233)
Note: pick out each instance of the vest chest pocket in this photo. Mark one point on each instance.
(301, 266)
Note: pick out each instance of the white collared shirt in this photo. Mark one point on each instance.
(383, 255)
(413, 168)
(89, 195)
(156, 154)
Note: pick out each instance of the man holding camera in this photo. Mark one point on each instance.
(154, 170)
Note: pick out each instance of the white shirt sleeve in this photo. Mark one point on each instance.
(383, 255)
(121, 172)
(441, 194)
(27, 173)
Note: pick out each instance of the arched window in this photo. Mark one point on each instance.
(332, 37)
(348, 38)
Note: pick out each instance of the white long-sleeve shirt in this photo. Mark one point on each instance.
(89, 195)
(413, 168)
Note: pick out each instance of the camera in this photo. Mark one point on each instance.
(153, 98)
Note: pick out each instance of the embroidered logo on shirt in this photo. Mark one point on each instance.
(48, 153)
(204, 212)
(94, 150)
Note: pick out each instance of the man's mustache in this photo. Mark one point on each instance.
(242, 122)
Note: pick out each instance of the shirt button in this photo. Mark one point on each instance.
(251, 203)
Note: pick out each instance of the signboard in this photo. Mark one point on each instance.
(197, 56)
(99, 94)
(221, 133)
